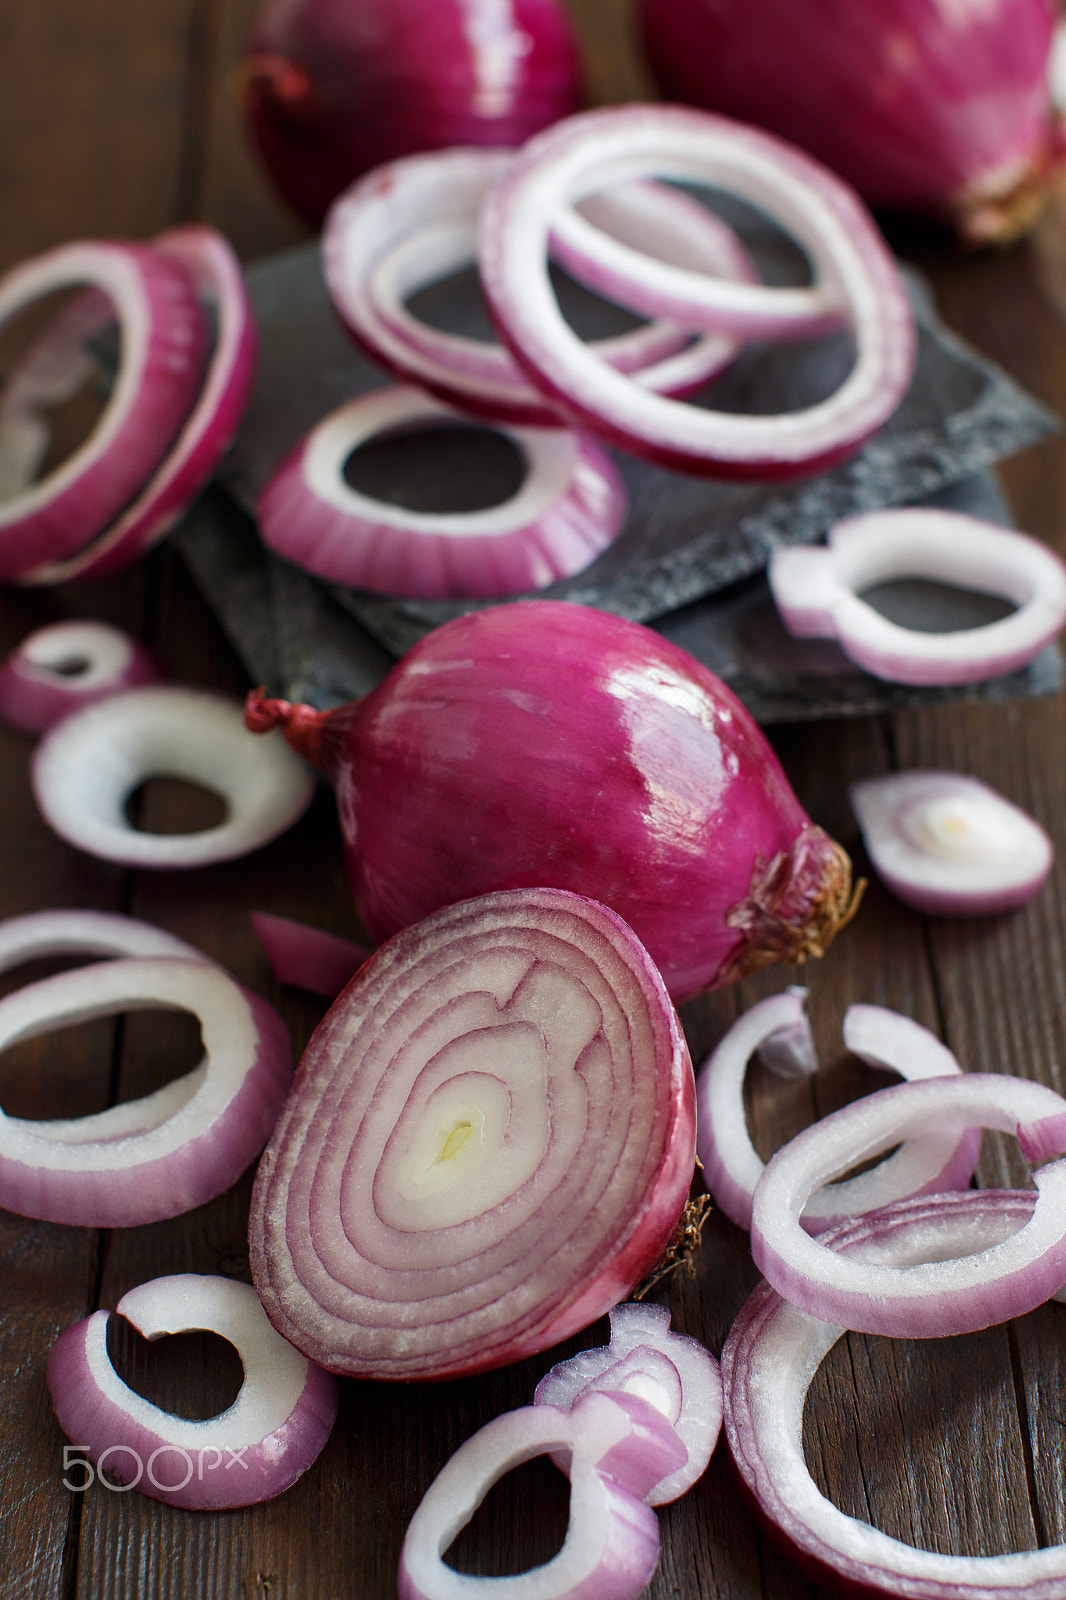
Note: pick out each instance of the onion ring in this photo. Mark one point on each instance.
(38, 934)
(62, 666)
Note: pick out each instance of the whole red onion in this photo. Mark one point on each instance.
(332, 88)
(545, 744)
(938, 107)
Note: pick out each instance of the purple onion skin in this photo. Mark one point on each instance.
(333, 88)
(545, 744)
(922, 107)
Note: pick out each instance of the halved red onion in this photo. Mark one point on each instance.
(617, 144)
(275, 1429)
(948, 844)
(86, 766)
(489, 1142)
(62, 666)
(674, 1373)
(922, 1300)
(208, 429)
(817, 591)
(306, 957)
(619, 1447)
(769, 1359)
(937, 1158)
(171, 1150)
(569, 507)
(61, 932)
(163, 335)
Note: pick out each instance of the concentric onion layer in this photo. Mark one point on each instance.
(489, 1143)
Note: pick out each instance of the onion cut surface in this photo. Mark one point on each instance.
(923, 1300)
(593, 150)
(169, 1151)
(769, 1359)
(68, 664)
(948, 844)
(934, 1159)
(85, 768)
(489, 1142)
(306, 957)
(568, 508)
(816, 589)
(274, 1430)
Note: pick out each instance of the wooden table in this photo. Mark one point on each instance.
(115, 119)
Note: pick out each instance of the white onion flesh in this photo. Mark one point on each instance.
(948, 844)
(274, 1430)
(918, 1301)
(85, 768)
(568, 508)
(817, 591)
(64, 665)
(41, 934)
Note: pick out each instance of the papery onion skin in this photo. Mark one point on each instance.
(331, 89)
(549, 743)
(924, 107)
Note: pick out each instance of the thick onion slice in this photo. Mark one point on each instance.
(86, 766)
(674, 1373)
(490, 1141)
(40, 934)
(171, 1150)
(274, 1430)
(818, 592)
(948, 844)
(413, 222)
(306, 957)
(569, 507)
(209, 428)
(69, 664)
(769, 1359)
(924, 1300)
(937, 1158)
(163, 335)
(586, 153)
(619, 1448)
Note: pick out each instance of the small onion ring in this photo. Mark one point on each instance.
(569, 507)
(38, 934)
(594, 149)
(815, 589)
(275, 1429)
(85, 767)
(918, 1301)
(769, 1359)
(169, 1151)
(68, 664)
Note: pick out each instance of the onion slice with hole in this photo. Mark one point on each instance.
(569, 507)
(62, 666)
(85, 768)
(306, 957)
(676, 1374)
(275, 1429)
(769, 1359)
(948, 844)
(920, 1301)
(162, 331)
(171, 1150)
(817, 591)
(937, 1158)
(593, 150)
(40, 934)
(490, 1141)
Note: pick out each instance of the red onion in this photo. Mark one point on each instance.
(274, 1430)
(948, 844)
(770, 1357)
(489, 1142)
(331, 90)
(305, 957)
(544, 742)
(62, 666)
(86, 766)
(817, 591)
(568, 508)
(916, 1301)
(618, 144)
(159, 1156)
(933, 108)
